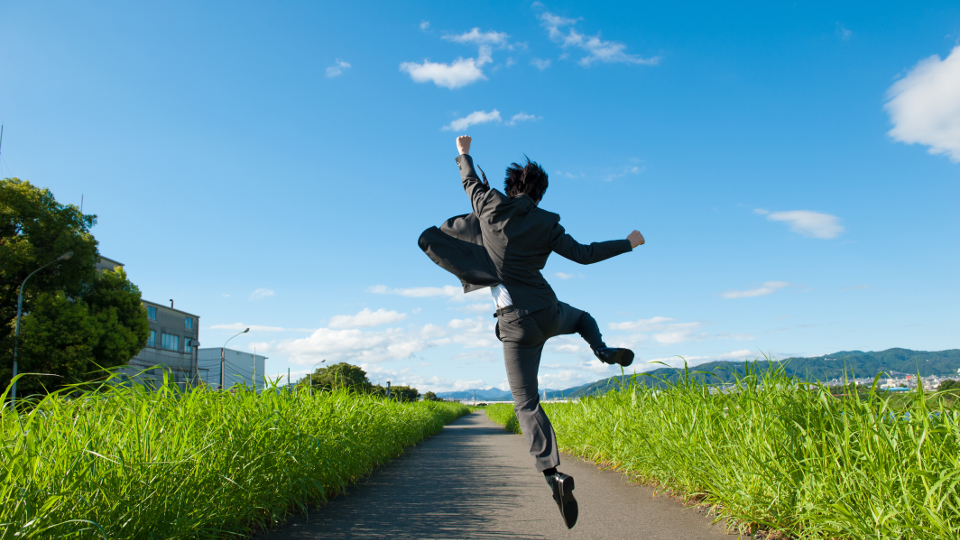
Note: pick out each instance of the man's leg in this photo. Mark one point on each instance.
(569, 319)
(522, 364)
(522, 346)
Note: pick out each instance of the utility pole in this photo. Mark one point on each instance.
(288, 380)
(388, 389)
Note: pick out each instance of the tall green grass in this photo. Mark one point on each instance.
(126, 462)
(772, 452)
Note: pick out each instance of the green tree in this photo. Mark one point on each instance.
(404, 393)
(74, 318)
(949, 385)
(342, 375)
(430, 396)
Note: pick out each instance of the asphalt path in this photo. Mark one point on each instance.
(476, 481)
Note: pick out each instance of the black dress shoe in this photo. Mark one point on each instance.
(612, 355)
(562, 486)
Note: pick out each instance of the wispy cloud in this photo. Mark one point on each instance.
(337, 68)
(472, 119)
(424, 25)
(366, 318)
(260, 294)
(449, 291)
(561, 275)
(843, 33)
(476, 37)
(924, 106)
(664, 331)
(807, 222)
(768, 287)
(560, 30)
(522, 117)
(540, 63)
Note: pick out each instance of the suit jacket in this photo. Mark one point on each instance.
(507, 240)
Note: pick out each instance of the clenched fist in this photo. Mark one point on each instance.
(463, 144)
(636, 239)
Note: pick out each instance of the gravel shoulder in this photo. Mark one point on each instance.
(476, 481)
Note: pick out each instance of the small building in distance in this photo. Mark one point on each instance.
(239, 368)
(171, 344)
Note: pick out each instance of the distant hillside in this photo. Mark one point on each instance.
(821, 368)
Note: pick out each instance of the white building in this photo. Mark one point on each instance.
(239, 367)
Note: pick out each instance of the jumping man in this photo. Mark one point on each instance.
(503, 245)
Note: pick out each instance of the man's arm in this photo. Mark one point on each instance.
(475, 188)
(564, 245)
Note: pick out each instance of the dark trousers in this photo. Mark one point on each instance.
(523, 339)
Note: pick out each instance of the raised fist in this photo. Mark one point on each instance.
(463, 144)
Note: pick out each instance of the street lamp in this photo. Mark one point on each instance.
(221, 355)
(311, 374)
(16, 337)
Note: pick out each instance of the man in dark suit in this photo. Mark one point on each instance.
(503, 245)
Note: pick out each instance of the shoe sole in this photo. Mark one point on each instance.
(568, 505)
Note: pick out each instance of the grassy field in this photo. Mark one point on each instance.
(131, 463)
(773, 453)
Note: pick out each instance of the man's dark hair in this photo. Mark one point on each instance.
(529, 178)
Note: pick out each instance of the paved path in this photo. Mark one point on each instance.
(475, 481)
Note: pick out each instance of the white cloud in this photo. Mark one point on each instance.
(476, 37)
(474, 118)
(561, 275)
(809, 223)
(481, 307)
(424, 25)
(461, 72)
(924, 106)
(366, 318)
(474, 333)
(597, 50)
(260, 294)
(521, 117)
(768, 288)
(540, 64)
(353, 345)
(761, 211)
(454, 293)
(641, 325)
(337, 68)
(664, 332)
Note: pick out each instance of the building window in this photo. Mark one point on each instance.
(189, 322)
(171, 342)
(151, 313)
(187, 346)
(152, 339)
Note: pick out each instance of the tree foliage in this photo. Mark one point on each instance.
(75, 320)
(430, 396)
(344, 375)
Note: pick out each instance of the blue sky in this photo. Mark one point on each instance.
(795, 169)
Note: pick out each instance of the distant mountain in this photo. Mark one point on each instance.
(820, 368)
(492, 394)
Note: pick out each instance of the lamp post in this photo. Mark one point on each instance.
(221, 355)
(315, 367)
(16, 337)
